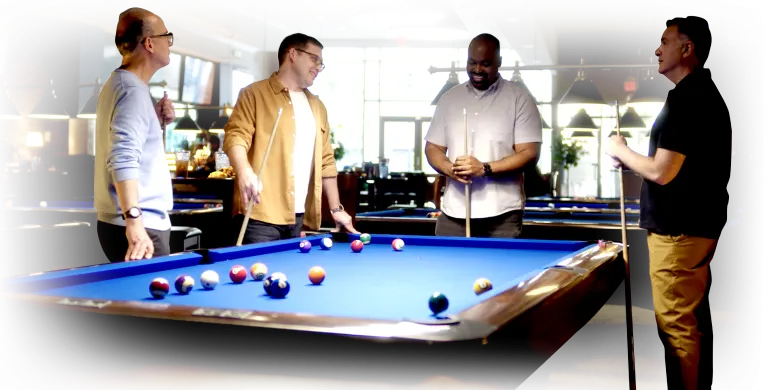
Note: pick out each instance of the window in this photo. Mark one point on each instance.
(239, 80)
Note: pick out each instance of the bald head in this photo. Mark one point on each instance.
(133, 24)
(483, 61)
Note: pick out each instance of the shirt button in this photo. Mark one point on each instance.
(292, 116)
(291, 193)
(290, 102)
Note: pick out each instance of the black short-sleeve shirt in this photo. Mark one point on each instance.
(696, 123)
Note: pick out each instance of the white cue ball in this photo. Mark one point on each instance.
(210, 279)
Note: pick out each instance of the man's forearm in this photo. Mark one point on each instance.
(641, 165)
(237, 155)
(127, 193)
(514, 163)
(331, 191)
(438, 160)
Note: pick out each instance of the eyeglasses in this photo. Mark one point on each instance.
(316, 59)
(169, 36)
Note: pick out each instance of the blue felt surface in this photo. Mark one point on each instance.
(378, 283)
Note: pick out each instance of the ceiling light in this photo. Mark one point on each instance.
(352, 3)
(387, 18)
(429, 33)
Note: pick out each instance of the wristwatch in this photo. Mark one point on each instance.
(487, 169)
(337, 210)
(132, 213)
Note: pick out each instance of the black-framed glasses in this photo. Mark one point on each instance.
(169, 36)
(316, 59)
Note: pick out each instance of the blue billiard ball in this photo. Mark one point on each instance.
(326, 243)
(305, 246)
(279, 288)
(267, 284)
(438, 303)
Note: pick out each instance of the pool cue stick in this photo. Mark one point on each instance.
(259, 178)
(164, 127)
(467, 186)
(629, 323)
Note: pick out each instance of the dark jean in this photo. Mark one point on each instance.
(113, 240)
(259, 231)
(507, 225)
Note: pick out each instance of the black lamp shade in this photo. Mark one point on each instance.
(581, 120)
(632, 120)
(186, 123)
(220, 123)
(651, 90)
(89, 110)
(582, 134)
(49, 108)
(453, 80)
(7, 109)
(582, 92)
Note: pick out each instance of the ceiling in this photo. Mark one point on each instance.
(540, 32)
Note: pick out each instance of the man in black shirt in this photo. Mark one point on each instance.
(684, 199)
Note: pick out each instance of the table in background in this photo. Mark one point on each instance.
(371, 309)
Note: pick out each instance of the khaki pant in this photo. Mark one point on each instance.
(681, 281)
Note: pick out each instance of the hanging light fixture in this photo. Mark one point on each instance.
(219, 125)
(50, 107)
(410, 13)
(630, 120)
(583, 91)
(651, 90)
(453, 80)
(582, 125)
(8, 111)
(90, 108)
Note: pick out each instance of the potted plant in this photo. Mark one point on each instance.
(566, 153)
(339, 149)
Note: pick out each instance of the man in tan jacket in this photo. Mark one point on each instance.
(301, 161)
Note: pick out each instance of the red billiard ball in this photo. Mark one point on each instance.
(159, 287)
(398, 244)
(356, 246)
(238, 274)
(603, 244)
(316, 275)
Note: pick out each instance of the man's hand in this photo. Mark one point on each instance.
(249, 185)
(467, 167)
(343, 219)
(614, 145)
(139, 243)
(165, 110)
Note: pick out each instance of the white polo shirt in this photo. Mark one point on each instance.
(497, 119)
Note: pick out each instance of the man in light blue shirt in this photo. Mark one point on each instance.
(133, 188)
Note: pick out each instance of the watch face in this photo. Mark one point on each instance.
(134, 212)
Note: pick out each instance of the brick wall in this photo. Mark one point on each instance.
(30, 61)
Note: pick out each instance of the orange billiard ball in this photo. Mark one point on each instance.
(316, 275)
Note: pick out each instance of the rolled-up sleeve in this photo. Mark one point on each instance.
(129, 129)
(328, 164)
(240, 128)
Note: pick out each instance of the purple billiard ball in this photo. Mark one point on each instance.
(305, 246)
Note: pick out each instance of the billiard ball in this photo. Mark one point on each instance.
(305, 246)
(482, 285)
(316, 275)
(438, 303)
(258, 271)
(326, 243)
(184, 284)
(238, 274)
(210, 279)
(602, 244)
(365, 238)
(159, 287)
(267, 284)
(356, 246)
(279, 288)
(398, 244)
(278, 275)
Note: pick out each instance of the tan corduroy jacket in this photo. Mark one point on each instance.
(250, 125)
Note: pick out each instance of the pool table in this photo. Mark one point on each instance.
(371, 311)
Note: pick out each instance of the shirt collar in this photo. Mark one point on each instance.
(697, 75)
(493, 88)
(278, 87)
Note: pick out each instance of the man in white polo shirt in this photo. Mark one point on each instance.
(504, 135)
